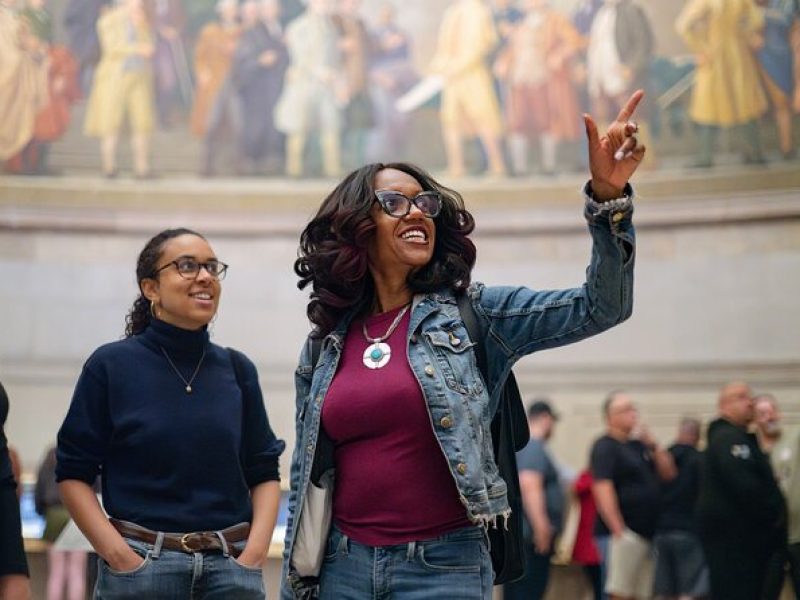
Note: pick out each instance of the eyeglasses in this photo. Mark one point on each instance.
(398, 205)
(189, 268)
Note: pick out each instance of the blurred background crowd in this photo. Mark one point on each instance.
(280, 87)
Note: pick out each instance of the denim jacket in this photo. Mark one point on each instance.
(461, 403)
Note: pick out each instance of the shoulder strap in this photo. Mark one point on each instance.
(316, 347)
(323, 457)
(237, 360)
(511, 401)
(476, 332)
(238, 369)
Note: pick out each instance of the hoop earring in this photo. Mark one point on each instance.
(153, 309)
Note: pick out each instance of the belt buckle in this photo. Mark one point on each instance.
(184, 545)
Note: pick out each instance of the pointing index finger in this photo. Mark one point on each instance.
(630, 106)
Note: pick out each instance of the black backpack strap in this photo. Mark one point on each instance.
(316, 347)
(238, 369)
(323, 457)
(476, 332)
(509, 431)
(237, 360)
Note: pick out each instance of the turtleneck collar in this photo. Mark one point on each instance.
(174, 339)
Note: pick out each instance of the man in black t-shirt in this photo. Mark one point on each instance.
(626, 465)
(681, 570)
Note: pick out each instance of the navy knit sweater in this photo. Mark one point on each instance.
(170, 461)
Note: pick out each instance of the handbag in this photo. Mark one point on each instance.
(317, 510)
(510, 434)
(565, 541)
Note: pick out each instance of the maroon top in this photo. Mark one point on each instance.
(393, 484)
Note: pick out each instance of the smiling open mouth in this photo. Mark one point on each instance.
(414, 235)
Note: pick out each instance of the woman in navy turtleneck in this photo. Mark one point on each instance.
(177, 428)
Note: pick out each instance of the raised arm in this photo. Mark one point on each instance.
(522, 320)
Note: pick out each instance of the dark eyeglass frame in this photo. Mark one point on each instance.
(381, 195)
(221, 269)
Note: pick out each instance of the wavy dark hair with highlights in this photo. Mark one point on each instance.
(139, 316)
(332, 258)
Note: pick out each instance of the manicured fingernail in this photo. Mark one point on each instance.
(619, 155)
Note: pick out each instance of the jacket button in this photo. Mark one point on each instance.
(446, 422)
(414, 338)
(617, 217)
(310, 448)
(461, 468)
(429, 370)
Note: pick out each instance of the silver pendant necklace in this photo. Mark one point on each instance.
(378, 353)
(188, 383)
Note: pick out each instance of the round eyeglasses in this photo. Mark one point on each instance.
(398, 205)
(189, 268)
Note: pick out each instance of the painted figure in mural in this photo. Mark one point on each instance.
(620, 50)
(80, 25)
(582, 20)
(584, 15)
(536, 64)
(123, 86)
(169, 61)
(391, 75)
(727, 91)
(467, 38)
(249, 14)
(23, 81)
(215, 103)
(354, 44)
(259, 66)
(795, 42)
(53, 118)
(313, 92)
(777, 66)
(506, 15)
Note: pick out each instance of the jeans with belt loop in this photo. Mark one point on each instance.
(456, 566)
(172, 575)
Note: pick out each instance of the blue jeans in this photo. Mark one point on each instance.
(602, 541)
(455, 566)
(171, 575)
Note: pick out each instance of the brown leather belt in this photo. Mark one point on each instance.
(196, 541)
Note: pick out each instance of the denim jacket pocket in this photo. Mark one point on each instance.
(454, 355)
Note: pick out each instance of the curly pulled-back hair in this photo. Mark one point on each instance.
(139, 315)
(333, 246)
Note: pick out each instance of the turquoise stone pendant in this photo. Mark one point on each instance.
(376, 355)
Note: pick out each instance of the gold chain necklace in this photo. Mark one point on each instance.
(188, 383)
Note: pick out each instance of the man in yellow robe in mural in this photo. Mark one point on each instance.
(123, 86)
(727, 90)
(467, 38)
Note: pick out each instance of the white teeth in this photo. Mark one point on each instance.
(414, 234)
(202, 296)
